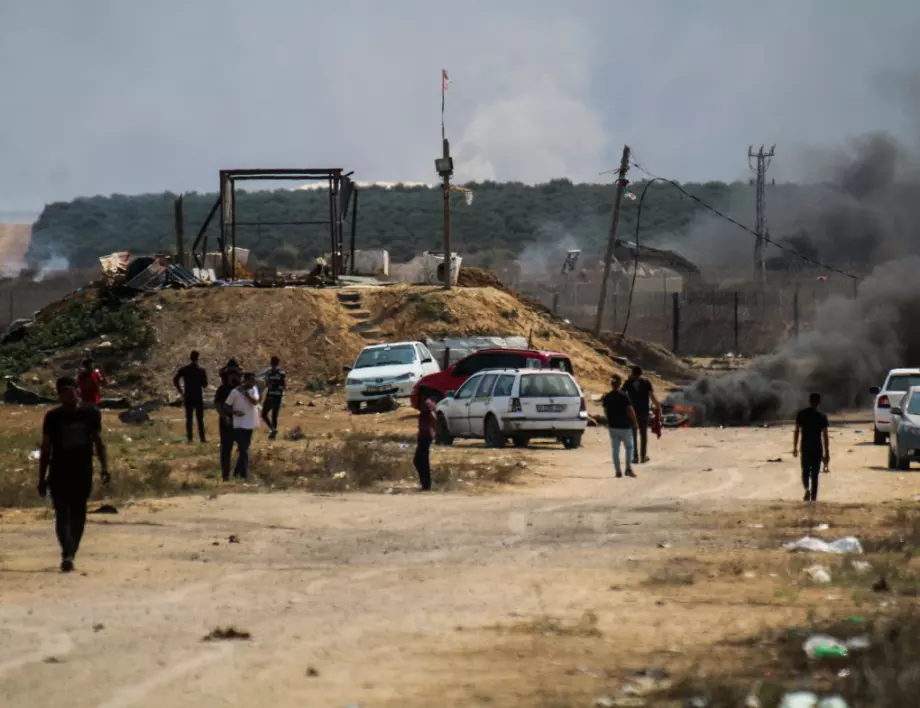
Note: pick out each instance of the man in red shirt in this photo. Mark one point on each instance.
(90, 381)
(426, 431)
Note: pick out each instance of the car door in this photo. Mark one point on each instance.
(479, 406)
(459, 408)
(429, 365)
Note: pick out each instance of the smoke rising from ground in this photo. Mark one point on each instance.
(545, 256)
(855, 343)
(866, 212)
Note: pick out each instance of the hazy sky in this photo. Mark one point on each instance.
(103, 96)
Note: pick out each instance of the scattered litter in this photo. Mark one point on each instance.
(858, 432)
(799, 699)
(105, 509)
(311, 672)
(824, 646)
(233, 539)
(859, 643)
(222, 633)
(697, 702)
(755, 526)
(664, 544)
(35, 454)
(860, 566)
(818, 574)
(853, 619)
(605, 702)
(847, 544)
(775, 459)
(833, 702)
(295, 434)
(340, 475)
(821, 527)
(98, 627)
(53, 660)
(843, 673)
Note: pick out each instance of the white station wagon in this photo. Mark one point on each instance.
(517, 405)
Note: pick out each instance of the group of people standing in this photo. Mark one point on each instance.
(238, 402)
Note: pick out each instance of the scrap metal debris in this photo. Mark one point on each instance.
(225, 633)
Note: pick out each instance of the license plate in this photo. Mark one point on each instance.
(376, 389)
(550, 408)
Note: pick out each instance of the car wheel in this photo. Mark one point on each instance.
(892, 460)
(520, 441)
(879, 438)
(571, 442)
(354, 407)
(442, 432)
(903, 463)
(494, 436)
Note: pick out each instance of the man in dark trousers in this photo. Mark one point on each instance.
(621, 424)
(426, 432)
(275, 381)
(811, 426)
(70, 435)
(243, 402)
(639, 389)
(194, 380)
(231, 377)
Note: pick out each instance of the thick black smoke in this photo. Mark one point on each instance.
(853, 345)
(867, 213)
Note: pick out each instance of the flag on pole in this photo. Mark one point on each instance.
(445, 80)
(444, 83)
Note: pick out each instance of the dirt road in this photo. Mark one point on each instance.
(391, 600)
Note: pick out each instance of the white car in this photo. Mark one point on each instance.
(897, 383)
(518, 404)
(385, 371)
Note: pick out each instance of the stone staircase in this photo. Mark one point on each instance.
(351, 301)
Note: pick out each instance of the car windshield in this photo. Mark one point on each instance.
(913, 405)
(548, 386)
(902, 382)
(386, 356)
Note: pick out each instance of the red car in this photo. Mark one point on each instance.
(436, 385)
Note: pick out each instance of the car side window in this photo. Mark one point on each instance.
(503, 387)
(561, 364)
(509, 361)
(485, 388)
(532, 363)
(466, 390)
(468, 366)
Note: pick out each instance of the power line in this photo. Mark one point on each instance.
(715, 211)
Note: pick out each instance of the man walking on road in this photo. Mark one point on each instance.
(70, 435)
(243, 402)
(639, 390)
(811, 425)
(426, 433)
(230, 379)
(621, 424)
(194, 380)
(275, 381)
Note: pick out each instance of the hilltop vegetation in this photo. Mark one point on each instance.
(502, 220)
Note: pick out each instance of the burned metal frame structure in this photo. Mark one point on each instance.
(342, 194)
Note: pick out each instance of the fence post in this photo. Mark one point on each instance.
(736, 323)
(795, 313)
(675, 325)
(446, 357)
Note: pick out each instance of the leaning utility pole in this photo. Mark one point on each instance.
(611, 241)
(760, 226)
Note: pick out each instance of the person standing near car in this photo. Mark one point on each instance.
(243, 404)
(275, 382)
(194, 380)
(621, 424)
(230, 379)
(426, 433)
(811, 425)
(70, 435)
(640, 391)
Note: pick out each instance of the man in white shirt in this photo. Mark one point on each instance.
(243, 403)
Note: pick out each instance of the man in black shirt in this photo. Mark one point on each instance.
(811, 424)
(639, 390)
(230, 379)
(621, 424)
(275, 381)
(195, 380)
(70, 434)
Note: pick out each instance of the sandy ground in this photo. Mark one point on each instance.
(410, 600)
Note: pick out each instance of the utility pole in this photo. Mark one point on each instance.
(611, 241)
(759, 168)
(445, 168)
(180, 231)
